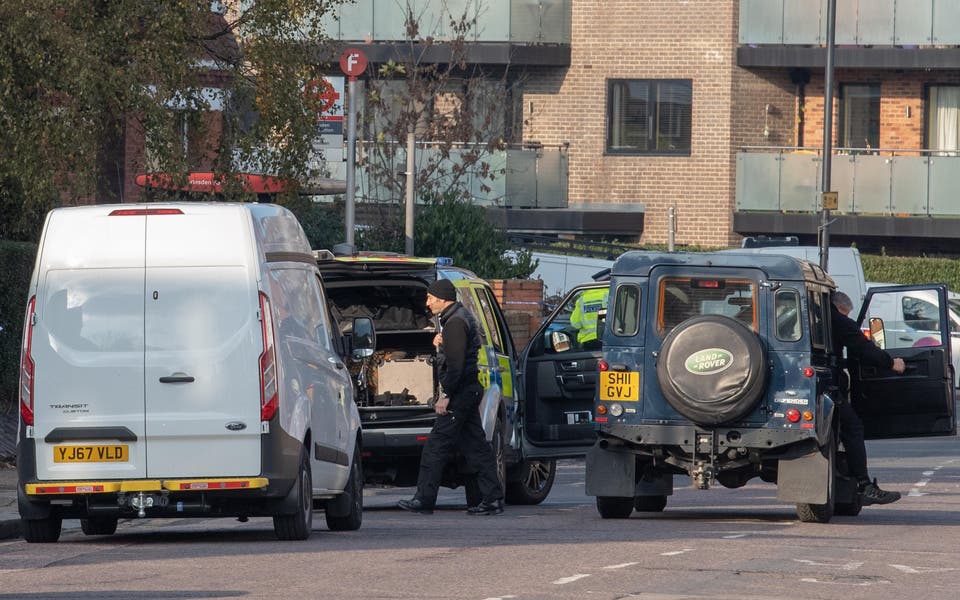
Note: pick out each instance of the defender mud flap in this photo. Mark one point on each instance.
(610, 473)
(805, 480)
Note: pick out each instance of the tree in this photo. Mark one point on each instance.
(78, 76)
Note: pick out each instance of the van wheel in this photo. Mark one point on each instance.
(298, 525)
(822, 513)
(614, 507)
(712, 369)
(41, 531)
(650, 503)
(531, 481)
(99, 525)
(353, 496)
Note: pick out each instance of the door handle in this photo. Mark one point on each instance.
(335, 362)
(177, 378)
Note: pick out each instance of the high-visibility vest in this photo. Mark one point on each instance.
(586, 311)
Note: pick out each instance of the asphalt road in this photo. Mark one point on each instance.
(707, 544)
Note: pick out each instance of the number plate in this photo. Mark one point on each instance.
(93, 453)
(620, 386)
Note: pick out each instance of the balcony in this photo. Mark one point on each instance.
(859, 22)
(525, 177)
(884, 192)
(496, 21)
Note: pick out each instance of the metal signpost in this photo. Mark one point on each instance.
(353, 62)
(828, 199)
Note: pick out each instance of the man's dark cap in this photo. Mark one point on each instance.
(443, 289)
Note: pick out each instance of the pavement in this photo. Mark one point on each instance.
(9, 517)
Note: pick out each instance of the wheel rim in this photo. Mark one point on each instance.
(306, 499)
(537, 475)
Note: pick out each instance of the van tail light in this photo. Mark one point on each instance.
(26, 365)
(268, 363)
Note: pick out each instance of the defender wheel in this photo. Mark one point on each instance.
(99, 525)
(613, 507)
(531, 482)
(353, 494)
(298, 525)
(822, 513)
(712, 369)
(649, 503)
(41, 531)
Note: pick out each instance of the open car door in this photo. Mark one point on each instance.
(559, 375)
(919, 402)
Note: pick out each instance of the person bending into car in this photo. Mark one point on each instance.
(846, 334)
(458, 422)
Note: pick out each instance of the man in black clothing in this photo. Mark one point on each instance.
(846, 334)
(458, 422)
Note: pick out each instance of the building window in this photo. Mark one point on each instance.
(648, 116)
(860, 116)
(943, 119)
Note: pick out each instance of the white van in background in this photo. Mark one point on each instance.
(178, 360)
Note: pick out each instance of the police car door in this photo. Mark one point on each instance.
(559, 376)
(919, 402)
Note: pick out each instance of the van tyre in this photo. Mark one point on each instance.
(352, 497)
(298, 526)
(531, 481)
(99, 525)
(725, 387)
(614, 507)
(649, 503)
(41, 531)
(822, 513)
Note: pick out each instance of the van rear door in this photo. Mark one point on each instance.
(87, 346)
(202, 342)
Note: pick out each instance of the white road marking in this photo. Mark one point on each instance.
(929, 473)
(922, 482)
(620, 566)
(676, 552)
(572, 578)
(856, 583)
(847, 566)
(907, 569)
(734, 536)
(500, 597)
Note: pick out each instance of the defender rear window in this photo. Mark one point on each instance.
(683, 297)
(787, 306)
(818, 319)
(626, 311)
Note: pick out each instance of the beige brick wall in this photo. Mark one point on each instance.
(653, 39)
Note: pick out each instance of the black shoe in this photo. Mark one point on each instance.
(416, 505)
(492, 507)
(871, 493)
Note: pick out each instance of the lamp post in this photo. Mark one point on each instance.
(827, 198)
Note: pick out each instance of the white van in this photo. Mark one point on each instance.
(178, 360)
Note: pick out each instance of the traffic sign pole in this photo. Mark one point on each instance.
(353, 62)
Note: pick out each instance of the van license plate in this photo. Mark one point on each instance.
(94, 453)
(620, 386)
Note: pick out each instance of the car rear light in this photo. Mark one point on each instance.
(603, 365)
(807, 415)
(268, 363)
(143, 212)
(793, 415)
(602, 409)
(27, 372)
(808, 371)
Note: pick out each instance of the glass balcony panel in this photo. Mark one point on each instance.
(493, 22)
(761, 22)
(846, 30)
(908, 185)
(390, 19)
(542, 21)
(331, 23)
(842, 172)
(804, 21)
(913, 22)
(871, 187)
(799, 182)
(758, 181)
(876, 22)
(356, 20)
(944, 182)
(551, 178)
(946, 15)
(521, 178)
(498, 184)
(457, 11)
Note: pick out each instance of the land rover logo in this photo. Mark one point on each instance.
(236, 426)
(708, 361)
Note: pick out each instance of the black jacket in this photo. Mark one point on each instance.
(846, 334)
(458, 352)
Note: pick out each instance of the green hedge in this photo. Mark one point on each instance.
(16, 265)
(910, 270)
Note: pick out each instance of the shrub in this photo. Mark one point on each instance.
(16, 266)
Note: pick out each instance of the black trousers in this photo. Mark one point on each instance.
(461, 428)
(851, 434)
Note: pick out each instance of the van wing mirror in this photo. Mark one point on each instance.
(876, 332)
(364, 337)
